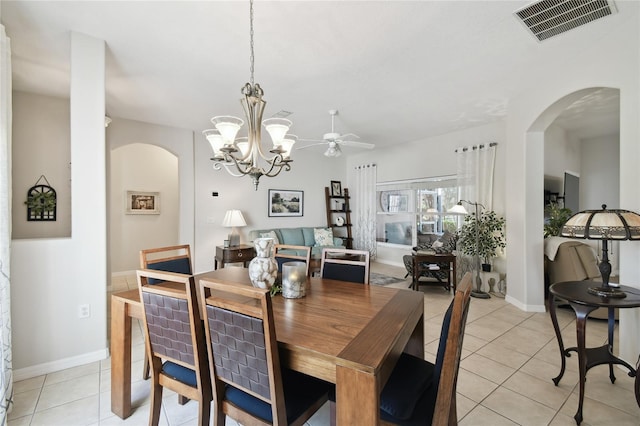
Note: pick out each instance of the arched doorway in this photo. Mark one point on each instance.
(584, 104)
(144, 168)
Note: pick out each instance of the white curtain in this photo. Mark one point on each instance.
(475, 173)
(364, 209)
(6, 367)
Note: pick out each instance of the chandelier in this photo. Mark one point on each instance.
(242, 156)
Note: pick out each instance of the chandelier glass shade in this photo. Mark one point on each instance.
(242, 156)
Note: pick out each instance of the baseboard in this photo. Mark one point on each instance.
(62, 364)
(123, 273)
(388, 262)
(523, 307)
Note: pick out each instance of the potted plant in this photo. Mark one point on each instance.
(555, 218)
(490, 236)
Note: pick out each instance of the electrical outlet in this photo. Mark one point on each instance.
(84, 311)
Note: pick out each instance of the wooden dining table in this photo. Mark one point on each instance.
(345, 333)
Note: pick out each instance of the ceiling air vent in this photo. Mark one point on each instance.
(548, 18)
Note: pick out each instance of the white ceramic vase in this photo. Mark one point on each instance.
(263, 269)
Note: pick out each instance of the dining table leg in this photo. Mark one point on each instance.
(357, 397)
(120, 358)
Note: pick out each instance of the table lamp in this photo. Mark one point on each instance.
(604, 225)
(233, 219)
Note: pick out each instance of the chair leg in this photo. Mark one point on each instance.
(145, 368)
(156, 404)
(204, 413)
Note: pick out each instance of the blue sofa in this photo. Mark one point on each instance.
(303, 236)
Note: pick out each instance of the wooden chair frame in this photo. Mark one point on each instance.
(445, 410)
(256, 303)
(183, 287)
(163, 254)
(294, 257)
(328, 252)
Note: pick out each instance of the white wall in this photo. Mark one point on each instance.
(51, 277)
(561, 154)
(41, 146)
(177, 143)
(613, 61)
(147, 168)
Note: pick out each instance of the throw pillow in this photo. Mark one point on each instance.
(323, 236)
(270, 234)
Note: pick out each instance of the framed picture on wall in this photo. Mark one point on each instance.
(336, 188)
(284, 202)
(138, 202)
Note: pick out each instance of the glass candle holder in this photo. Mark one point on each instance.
(294, 280)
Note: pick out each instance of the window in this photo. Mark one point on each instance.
(410, 211)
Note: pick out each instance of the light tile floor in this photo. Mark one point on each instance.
(509, 358)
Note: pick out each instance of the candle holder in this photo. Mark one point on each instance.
(294, 280)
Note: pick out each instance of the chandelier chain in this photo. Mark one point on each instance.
(251, 58)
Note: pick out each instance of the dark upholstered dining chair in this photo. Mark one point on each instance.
(287, 253)
(419, 392)
(249, 385)
(345, 265)
(174, 340)
(170, 259)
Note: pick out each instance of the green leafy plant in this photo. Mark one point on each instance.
(275, 289)
(557, 217)
(41, 202)
(491, 237)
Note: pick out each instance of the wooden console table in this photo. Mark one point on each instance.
(421, 259)
(582, 302)
(242, 253)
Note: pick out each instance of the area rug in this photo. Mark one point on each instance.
(381, 279)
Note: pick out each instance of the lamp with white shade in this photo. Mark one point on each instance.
(234, 219)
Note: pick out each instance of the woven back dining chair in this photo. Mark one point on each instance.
(249, 384)
(288, 253)
(174, 340)
(172, 259)
(345, 265)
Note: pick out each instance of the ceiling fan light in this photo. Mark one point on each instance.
(333, 151)
(277, 128)
(228, 126)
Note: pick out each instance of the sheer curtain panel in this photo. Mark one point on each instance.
(475, 173)
(6, 368)
(364, 209)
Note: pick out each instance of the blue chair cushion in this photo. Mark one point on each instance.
(422, 413)
(300, 392)
(180, 373)
(342, 272)
(442, 345)
(410, 378)
(181, 266)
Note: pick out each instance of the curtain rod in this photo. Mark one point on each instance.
(474, 147)
(364, 166)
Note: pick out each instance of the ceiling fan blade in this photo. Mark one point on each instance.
(311, 140)
(313, 144)
(357, 144)
(349, 135)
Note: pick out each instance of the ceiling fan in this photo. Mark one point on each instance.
(335, 140)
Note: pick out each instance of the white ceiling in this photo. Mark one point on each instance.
(397, 71)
